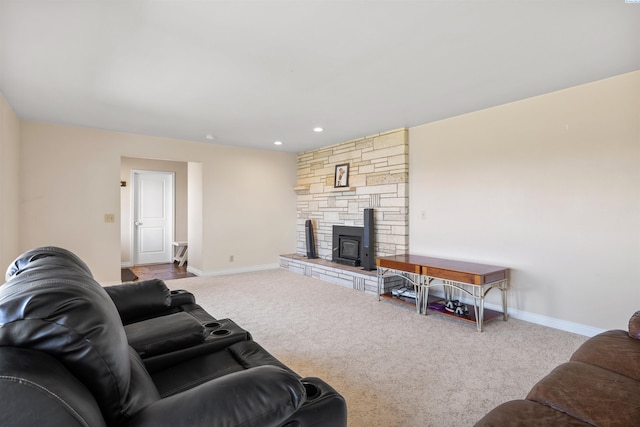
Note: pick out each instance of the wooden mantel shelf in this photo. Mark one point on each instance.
(304, 188)
(333, 189)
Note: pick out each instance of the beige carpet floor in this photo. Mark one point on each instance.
(393, 366)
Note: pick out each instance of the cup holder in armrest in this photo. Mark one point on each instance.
(313, 391)
(220, 332)
(181, 297)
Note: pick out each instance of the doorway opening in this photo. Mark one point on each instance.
(153, 209)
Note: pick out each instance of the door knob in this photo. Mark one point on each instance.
(137, 223)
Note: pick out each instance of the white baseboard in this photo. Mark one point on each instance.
(538, 319)
(249, 269)
(551, 322)
(126, 264)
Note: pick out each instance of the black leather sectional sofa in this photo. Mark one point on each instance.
(73, 353)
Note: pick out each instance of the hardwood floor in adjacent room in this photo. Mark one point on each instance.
(161, 271)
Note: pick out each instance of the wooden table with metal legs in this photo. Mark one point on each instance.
(470, 279)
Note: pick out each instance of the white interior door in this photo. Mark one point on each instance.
(153, 217)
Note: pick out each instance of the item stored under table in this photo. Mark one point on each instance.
(421, 273)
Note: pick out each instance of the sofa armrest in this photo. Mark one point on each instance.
(164, 334)
(140, 300)
(634, 325)
(266, 395)
(324, 406)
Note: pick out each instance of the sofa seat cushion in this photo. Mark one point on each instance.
(190, 373)
(250, 354)
(198, 313)
(612, 350)
(521, 413)
(164, 334)
(591, 394)
(194, 372)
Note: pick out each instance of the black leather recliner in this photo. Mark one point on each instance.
(66, 358)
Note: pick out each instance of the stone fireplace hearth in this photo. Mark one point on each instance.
(338, 274)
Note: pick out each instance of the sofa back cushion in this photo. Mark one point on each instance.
(634, 325)
(37, 390)
(28, 261)
(613, 350)
(52, 304)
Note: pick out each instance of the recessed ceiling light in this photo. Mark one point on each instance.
(209, 136)
(318, 129)
(278, 142)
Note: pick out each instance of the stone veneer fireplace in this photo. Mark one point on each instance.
(378, 178)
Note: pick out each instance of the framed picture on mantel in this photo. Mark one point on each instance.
(342, 176)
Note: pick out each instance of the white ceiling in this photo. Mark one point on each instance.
(252, 72)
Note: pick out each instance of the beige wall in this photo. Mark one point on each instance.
(128, 165)
(548, 186)
(194, 214)
(9, 184)
(71, 178)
